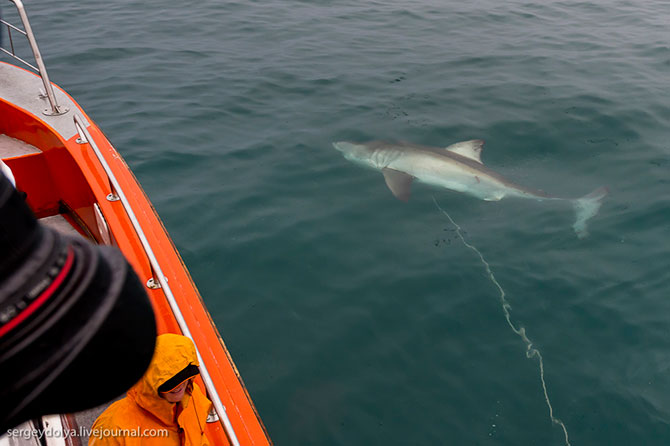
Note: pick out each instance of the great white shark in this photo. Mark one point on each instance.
(459, 168)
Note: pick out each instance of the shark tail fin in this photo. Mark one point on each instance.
(586, 208)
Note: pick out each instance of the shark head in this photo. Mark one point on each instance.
(352, 150)
(358, 153)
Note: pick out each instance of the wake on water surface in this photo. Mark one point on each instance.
(590, 204)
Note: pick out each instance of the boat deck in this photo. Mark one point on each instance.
(19, 87)
(12, 147)
(60, 224)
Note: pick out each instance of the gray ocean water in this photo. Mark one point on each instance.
(354, 318)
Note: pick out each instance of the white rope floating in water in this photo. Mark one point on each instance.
(521, 331)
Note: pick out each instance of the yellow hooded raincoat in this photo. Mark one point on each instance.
(143, 418)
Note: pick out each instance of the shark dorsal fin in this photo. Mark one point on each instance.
(470, 149)
(400, 183)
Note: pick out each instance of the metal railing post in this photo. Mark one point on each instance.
(48, 88)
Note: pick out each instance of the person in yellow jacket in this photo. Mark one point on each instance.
(164, 408)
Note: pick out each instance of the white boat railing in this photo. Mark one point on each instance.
(27, 31)
(117, 194)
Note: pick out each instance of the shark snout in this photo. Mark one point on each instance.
(352, 150)
(342, 146)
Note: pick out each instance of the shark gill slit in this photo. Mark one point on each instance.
(531, 351)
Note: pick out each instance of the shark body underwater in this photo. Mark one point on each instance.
(458, 168)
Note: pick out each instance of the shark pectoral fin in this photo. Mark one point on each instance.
(470, 149)
(400, 183)
(586, 208)
(494, 196)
